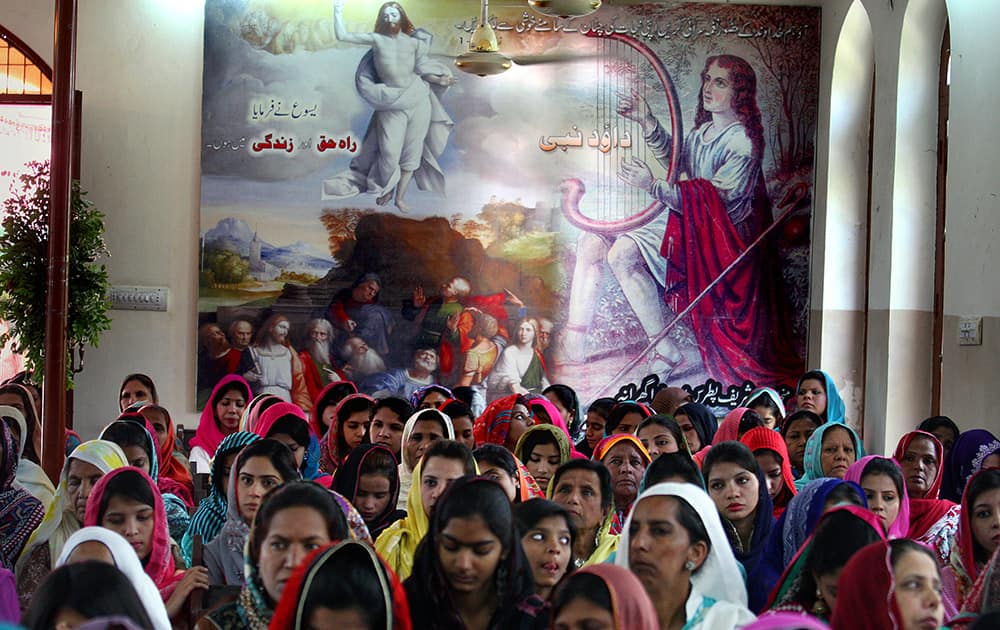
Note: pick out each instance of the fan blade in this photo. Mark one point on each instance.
(532, 60)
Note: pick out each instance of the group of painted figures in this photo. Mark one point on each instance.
(391, 512)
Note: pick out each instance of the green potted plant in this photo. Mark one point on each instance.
(24, 264)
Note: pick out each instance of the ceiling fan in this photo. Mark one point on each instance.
(483, 58)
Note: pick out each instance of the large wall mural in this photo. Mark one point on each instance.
(628, 205)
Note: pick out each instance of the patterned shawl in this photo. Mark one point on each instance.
(20, 513)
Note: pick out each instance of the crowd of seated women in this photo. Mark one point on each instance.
(394, 513)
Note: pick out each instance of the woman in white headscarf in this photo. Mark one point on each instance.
(675, 544)
(98, 543)
(30, 475)
(417, 438)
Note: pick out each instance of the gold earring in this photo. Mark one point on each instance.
(819, 607)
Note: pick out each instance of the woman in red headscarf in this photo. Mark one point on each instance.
(346, 580)
(772, 457)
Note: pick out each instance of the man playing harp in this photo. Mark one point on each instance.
(712, 216)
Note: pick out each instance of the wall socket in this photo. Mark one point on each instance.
(138, 298)
(970, 331)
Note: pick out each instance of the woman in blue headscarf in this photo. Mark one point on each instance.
(830, 451)
(818, 393)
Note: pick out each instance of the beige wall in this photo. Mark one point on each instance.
(139, 66)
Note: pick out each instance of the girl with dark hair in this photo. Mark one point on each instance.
(943, 428)
(352, 418)
(625, 417)
(287, 424)
(933, 521)
(603, 596)
(677, 467)
(343, 585)
(567, 403)
(461, 419)
(29, 475)
(973, 451)
(543, 448)
(698, 424)
(796, 431)
(220, 417)
(444, 461)
(803, 514)
(76, 593)
(260, 467)
(626, 459)
(593, 426)
(885, 491)
(675, 544)
(772, 457)
(661, 434)
(430, 396)
(211, 514)
(292, 521)
(830, 451)
(816, 392)
(369, 479)
(888, 586)
(583, 487)
(20, 512)
(547, 537)
(322, 414)
(126, 501)
(768, 405)
(978, 538)
(18, 397)
(809, 585)
(136, 387)
(497, 464)
(739, 491)
(388, 422)
(470, 570)
(173, 465)
(133, 434)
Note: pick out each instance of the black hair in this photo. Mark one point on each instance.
(801, 414)
(347, 580)
(428, 589)
(293, 426)
(297, 494)
(398, 406)
(668, 423)
(689, 519)
(278, 454)
(845, 493)
(31, 422)
(984, 481)
(838, 536)
(618, 413)
(887, 467)
(602, 407)
(527, 515)
(146, 382)
(92, 589)
(496, 455)
(765, 401)
(569, 400)
(379, 462)
(749, 420)
(457, 409)
(936, 422)
(899, 547)
(536, 438)
(432, 388)
(599, 469)
(129, 484)
(730, 452)
(347, 409)
(220, 480)
(815, 375)
(464, 394)
(987, 621)
(670, 466)
(127, 433)
(235, 386)
(452, 449)
(586, 586)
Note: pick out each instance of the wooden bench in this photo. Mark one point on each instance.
(204, 601)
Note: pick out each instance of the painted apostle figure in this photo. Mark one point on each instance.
(277, 368)
(710, 220)
(409, 127)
